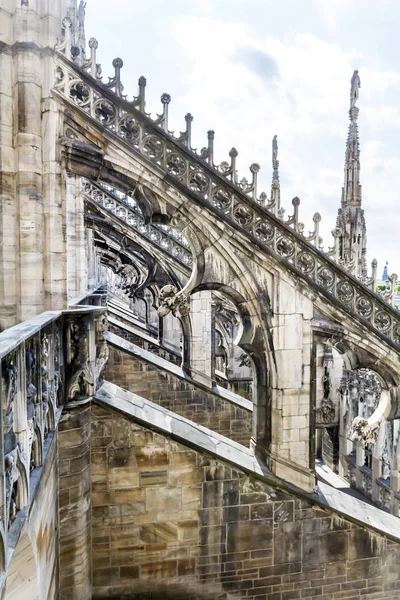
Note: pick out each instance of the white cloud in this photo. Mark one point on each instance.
(332, 10)
(384, 116)
(304, 104)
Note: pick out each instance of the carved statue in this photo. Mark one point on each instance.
(361, 430)
(83, 383)
(45, 376)
(326, 383)
(171, 301)
(244, 360)
(82, 11)
(78, 363)
(78, 50)
(355, 85)
(11, 373)
(31, 363)
(9, 477)
(326, 414)
(274, 149)
(102, 346)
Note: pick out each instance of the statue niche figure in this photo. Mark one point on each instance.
(355, 86)
(83, 383)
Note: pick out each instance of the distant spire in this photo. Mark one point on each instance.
(77, 15)
(80, 39)
(385, 276)
(353, 242)
(352, 188)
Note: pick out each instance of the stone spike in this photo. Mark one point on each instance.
(118, 63)
(93, 45)
(210, 151)
(142, 93)
(233, 155)
(165, 101)
(189, 121)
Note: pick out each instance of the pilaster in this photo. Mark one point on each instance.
(75, 502)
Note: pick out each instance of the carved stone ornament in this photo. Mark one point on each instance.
(101, 345)
(326, 414)
(9, 473)
(244, 360)
(362, 430)
(79, 379)
(171, 301)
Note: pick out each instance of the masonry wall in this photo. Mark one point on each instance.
(33, 572)
(181, 397)
(168, 517)
(155, 349)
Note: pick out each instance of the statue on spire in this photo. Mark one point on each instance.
(80, 38)
(355, 86)
(81, 12)
(274, 149)
(275, 161)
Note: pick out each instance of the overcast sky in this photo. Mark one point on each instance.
(250, 69)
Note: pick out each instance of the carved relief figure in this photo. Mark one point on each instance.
(171, 301)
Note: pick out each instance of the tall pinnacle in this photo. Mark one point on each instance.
(353, 242)
(275, 161)
(275, 187)
(351, 195)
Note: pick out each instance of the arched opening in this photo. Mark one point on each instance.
(354, 438)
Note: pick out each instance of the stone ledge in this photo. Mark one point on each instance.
(205, 440)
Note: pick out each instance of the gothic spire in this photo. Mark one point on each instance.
(351, 195)
(351, 221)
